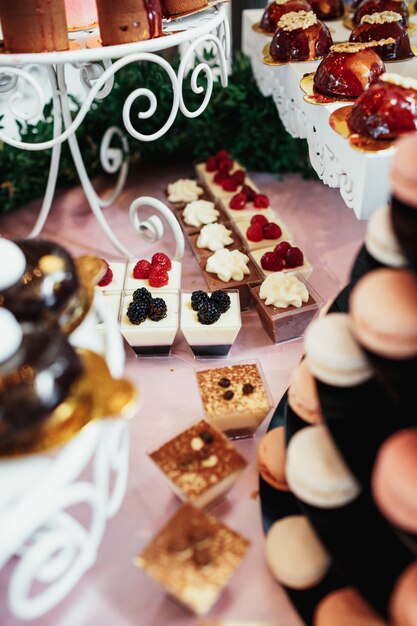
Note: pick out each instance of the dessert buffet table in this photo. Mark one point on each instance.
(114, 592)
(361, 177)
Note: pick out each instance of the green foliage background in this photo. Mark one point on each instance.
(238, 118)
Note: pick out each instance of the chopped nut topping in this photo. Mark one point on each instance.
(281, 1)
(400, 81)
(297, 19)
(385, 17)
(350, 47)
(197, 443)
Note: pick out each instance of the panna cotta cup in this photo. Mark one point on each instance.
(285, 323)
(152, 338)
(217, 338)
(116, 284)
(112, 303)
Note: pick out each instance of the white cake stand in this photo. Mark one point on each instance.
(97, 68)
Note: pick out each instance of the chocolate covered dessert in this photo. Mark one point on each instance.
(129, 20)
(384, 25)
(328, 9)
(368, 7)
(276, 9)
(300, 37)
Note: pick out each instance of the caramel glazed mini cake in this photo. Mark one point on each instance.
(173, 7)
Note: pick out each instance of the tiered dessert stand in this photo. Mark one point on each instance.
(362, 177)
(45, 548)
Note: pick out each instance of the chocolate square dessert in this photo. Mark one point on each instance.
(235, 398)
(194, 556)
(200, 463)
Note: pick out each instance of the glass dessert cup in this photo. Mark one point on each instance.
(400, 49)
(328, 9)
(275, 10)
(216, 339)
(311, 40)
(173, 285)
(286, 324)
(348, 74)
(368, 7)
(200, 464)
(235, 398)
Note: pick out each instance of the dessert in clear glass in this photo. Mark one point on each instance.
(328, 9)
(286, 305)
(386, 110)
(276, 9)
(159, 273)
(368, 7)
(300, 37)
(349, 69)
(385, 25)
(210, 322)
(200, 463)
(193, 556)
(235, 398)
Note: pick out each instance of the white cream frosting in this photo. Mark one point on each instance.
(184, 190)
(228, 265)
(283, 290)
(214, 237)
(200, 212)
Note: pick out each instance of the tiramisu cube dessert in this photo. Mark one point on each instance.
(227, 269)
(183, 191)
(260, 231)
(235, 398)
(150, 322)
(194, 556)
(198, 214)
(210, 322)
(200, 463)
(113, 277)
(214, 237)
(159, 273)
(284, 257)
(286, 305)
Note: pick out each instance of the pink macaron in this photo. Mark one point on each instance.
(403, 173)
(345, 607)
(271, 458)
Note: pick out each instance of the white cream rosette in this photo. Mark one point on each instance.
(214, 237)
(184, 190)
(283, 290)
(228, 265)
(200, 212)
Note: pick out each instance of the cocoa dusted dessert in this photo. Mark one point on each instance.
(368, 7)
(328, 9)
(200, 463)
(350, 69)
(386, 110)
(300, 37)
(37, 370)
(276, 9)
(384, 25)
(193, 556)
(235, 398)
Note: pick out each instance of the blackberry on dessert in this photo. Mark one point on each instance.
(198, 298)
(222, 299)
(157, 309)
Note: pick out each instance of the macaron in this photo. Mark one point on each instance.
(345, 607)
(403, 601)
(380, 239)
(316, 472)
(383, 309)
(403, 173)
(302, 395)
(271, 458)
(394, 479)
(333, 355)
(13, 263)
(295, 554)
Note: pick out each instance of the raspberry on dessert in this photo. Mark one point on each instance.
(158, 276)
(238, 202)
(221, 155)
(198, 298)
(259, 219)
(142, 294)
(208, 313)
(211, 164)
(239, 176)
(230, 184)
(271, 231)
(137, 311)
(225, 165)
(255, 232)
(142, 269)
(249, 193)
(281, 249)
(261, 201)
(108, 276)
(220, 177)
(157, 309)
(161, 259)
(271, 262)
(294, 257)
(222, 299)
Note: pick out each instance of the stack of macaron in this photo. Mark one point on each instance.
(346, 456)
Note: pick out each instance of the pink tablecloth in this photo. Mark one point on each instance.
(113, 592)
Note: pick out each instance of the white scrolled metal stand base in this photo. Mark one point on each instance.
(362, 178)
(43, 543)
